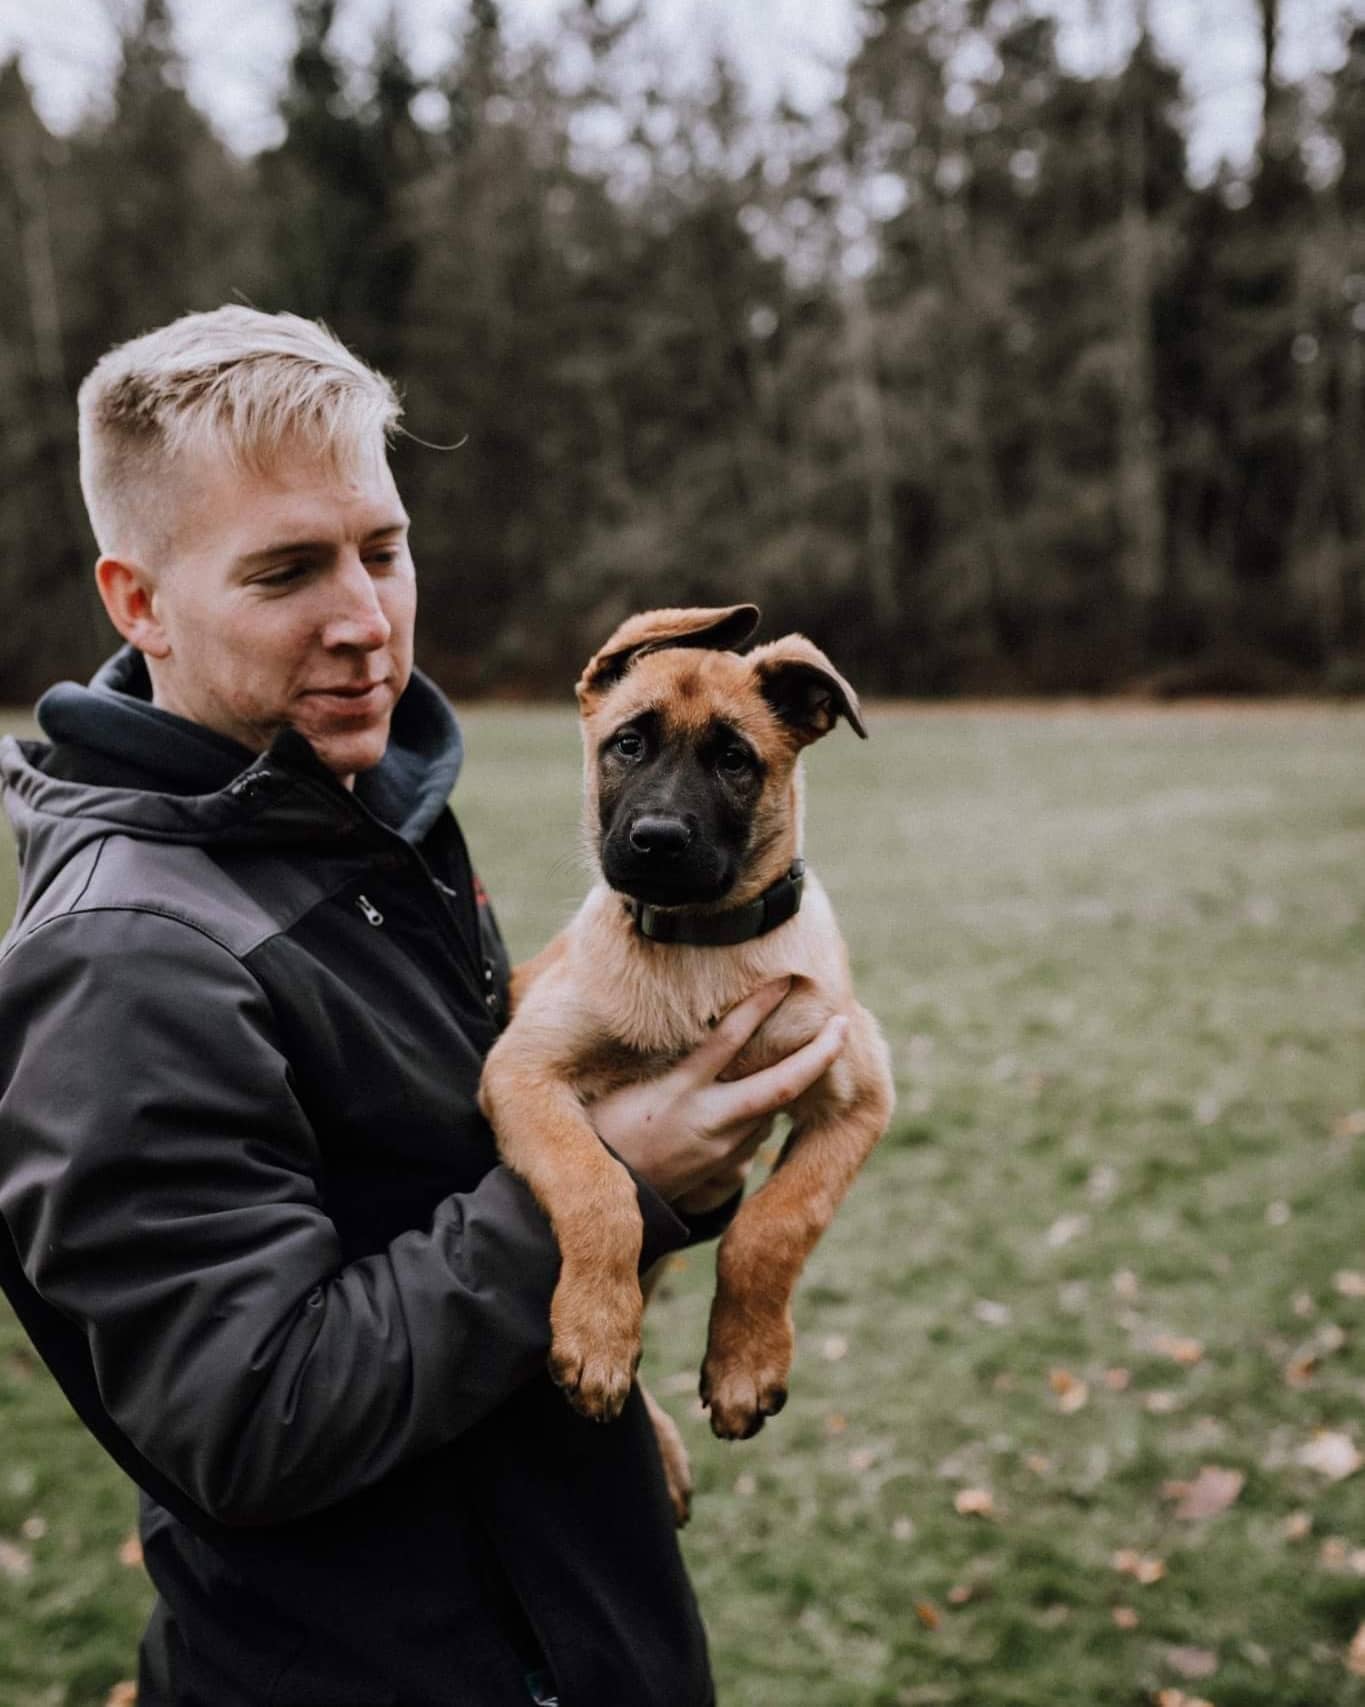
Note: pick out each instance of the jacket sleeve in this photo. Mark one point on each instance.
(162, 1186)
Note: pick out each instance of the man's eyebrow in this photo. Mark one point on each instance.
(290, 547)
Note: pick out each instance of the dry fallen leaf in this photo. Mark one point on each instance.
(1212, 1491)
(122, 1695)
(1146, 1569)
(1355, 1654)
(928, 1614)
(960, 1593)
(1298, 1372)
(974, 1502)
(1064, 1229)
(1179, 1348)
(1298, 1526)
(1192, 1662)
(1124, 1617)
(20, 1365)
(1331, 1454)
(1072, 1393)
(1337, 1554)
(130, 1553)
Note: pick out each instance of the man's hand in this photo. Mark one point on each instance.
(692, 1135)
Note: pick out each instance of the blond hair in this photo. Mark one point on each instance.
(234, 385)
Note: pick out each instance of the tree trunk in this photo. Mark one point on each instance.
(1141, 497)
(876, 459)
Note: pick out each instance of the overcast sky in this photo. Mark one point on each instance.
(68, 48)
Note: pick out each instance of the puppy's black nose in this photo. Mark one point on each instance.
(663, 838)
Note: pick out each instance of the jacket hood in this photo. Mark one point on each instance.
(142, 771)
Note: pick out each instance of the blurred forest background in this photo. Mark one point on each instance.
(966, 373)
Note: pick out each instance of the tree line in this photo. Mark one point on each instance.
(964, 374)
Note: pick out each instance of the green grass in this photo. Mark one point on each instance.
(1119, 958)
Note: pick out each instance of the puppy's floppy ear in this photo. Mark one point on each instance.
(804, 688)
(720, 629)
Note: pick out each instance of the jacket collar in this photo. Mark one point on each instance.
(159, 763)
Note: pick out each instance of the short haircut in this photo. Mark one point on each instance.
(234, 385)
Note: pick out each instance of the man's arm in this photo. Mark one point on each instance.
(161, 1184)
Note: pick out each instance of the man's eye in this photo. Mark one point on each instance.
(283, 577)
(629, 744)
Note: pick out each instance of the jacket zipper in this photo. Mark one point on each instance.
(480, 987)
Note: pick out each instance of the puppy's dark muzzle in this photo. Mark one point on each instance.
(655, 837)
(667, 859)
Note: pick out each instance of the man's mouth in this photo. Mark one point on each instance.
(355, 697)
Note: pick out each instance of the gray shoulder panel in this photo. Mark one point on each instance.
(175, 880)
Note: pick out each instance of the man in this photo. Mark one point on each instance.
(249, 1211)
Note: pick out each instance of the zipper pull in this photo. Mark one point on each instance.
(369, 909)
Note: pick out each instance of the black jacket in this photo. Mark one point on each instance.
(254, 1221)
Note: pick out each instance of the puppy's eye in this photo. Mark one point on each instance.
(629, 744)
(734, 761)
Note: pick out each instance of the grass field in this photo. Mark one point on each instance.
(1114, 1238)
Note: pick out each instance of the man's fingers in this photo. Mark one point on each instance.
(774, 1087)
(734, 1029)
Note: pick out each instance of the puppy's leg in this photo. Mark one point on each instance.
(677, 1466)
(591, 1203)
(750, 1343)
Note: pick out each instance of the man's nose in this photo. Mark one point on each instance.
(358, 621)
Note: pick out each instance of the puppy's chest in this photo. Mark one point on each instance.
(623, 1055)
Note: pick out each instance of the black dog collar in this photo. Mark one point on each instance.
(778, 903)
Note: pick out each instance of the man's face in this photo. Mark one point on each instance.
(289, 600)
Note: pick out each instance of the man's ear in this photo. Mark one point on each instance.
(720, 629)
(129, 595)
(804, 688)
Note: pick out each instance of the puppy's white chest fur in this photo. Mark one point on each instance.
(665, 997)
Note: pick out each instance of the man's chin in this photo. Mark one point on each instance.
(346, 754)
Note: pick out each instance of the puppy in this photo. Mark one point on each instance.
(693, 808)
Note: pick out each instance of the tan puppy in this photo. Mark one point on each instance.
(693, 810)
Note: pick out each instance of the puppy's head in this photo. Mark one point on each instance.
(692, 753)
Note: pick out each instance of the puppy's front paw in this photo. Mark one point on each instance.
(741, 1398)
(595, 1349)
(744, 1377)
